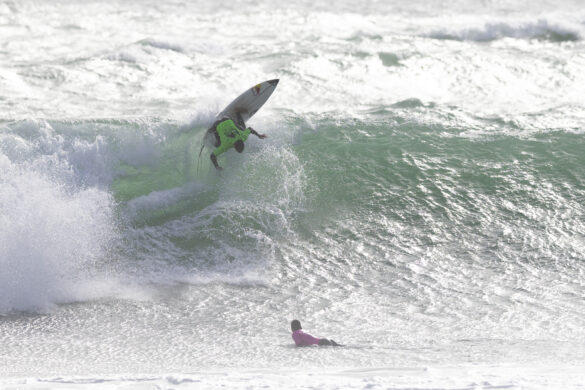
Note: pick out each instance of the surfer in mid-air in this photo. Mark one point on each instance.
(229, 135)
(303, 339)
(230, 130)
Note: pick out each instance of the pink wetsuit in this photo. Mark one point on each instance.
(303, 339)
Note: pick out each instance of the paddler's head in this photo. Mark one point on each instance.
(295, 325)
(239, 145)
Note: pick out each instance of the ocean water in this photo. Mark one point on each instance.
(420, 197)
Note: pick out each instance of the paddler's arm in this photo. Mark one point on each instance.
(214, 161)
(261, 136)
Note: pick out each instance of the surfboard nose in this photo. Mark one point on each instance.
(273, 82)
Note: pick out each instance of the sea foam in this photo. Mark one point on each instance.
(52, 233)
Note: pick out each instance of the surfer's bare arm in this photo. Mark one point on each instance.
(261, 136)
(214, 161)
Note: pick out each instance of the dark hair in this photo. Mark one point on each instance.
(295, 325)
(239, 145)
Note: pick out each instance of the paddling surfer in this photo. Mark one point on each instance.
(303, 339)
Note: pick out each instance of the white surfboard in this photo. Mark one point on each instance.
(248, 103)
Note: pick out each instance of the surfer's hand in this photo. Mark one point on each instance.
(262, 136)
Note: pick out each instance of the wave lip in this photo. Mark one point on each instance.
(540, 30)
(160, 44)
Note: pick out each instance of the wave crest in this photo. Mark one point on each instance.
(541, 30)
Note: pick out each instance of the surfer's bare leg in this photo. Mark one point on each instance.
(325, 342)
(217, 141)
(214, 161)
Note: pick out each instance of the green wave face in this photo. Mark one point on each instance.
(175, 162)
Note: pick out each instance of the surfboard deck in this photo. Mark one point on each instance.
(248, 103)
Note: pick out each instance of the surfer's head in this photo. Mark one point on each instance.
(239, 145)
(295, 325)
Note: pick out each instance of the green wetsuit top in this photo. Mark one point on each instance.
(229, 134)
